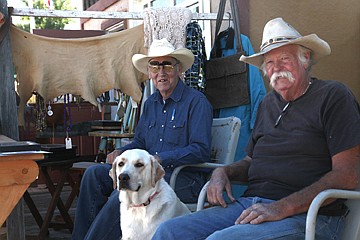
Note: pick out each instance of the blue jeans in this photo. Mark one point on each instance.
(96, 199)
(218, 223)
(97, 214)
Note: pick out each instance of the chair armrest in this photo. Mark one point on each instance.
(202, 197)
(202, 194)
(318, 201)
(176, 171)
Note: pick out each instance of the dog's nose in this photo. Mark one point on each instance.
(124, 177)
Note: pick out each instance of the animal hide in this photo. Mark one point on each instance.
(85, 66)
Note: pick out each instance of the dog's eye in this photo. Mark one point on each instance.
(121, 164)
(139, 165)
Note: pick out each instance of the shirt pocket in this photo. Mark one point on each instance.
(175, 133)
(150, 131)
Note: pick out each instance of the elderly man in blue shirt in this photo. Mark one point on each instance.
(175, 126)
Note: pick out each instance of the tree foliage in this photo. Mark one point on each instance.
(47, 22)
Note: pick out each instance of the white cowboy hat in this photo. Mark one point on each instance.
(161, 48)
(278, 33)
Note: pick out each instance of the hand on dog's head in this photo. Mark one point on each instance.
(136, 159)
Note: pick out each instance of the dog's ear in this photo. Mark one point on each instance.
(112, 174)
(157, 171)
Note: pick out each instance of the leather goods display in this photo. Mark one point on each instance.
(226, 77)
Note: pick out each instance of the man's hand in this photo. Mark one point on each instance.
(262, 212)
(111, 156)
(218, 182)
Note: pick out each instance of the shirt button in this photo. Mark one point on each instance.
(164, 111)
(160, 139)
(162, 125)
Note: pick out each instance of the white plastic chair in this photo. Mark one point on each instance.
(352, 220)
(202, 195)
(224, 139)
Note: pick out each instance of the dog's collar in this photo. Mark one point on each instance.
(147, 202)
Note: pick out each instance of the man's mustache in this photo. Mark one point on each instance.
(283, 74)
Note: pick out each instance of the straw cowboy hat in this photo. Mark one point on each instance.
(278, 33)
(161, 48)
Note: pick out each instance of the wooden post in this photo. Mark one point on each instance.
(8, 108)
(8, 113)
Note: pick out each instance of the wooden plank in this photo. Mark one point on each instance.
(113, 134)
(5, 139)
(33, 156)
(18, 172)
(9, 197)
(94, 14)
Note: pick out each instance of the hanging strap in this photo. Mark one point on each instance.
(236, 21)
(220, 16)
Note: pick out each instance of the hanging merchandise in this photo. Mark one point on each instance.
(67, 120)
(166, 22)
(40, 113)
(226, 77)
(195, 76)
(50, 111)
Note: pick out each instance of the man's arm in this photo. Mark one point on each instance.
(221, 177)
(344, 175)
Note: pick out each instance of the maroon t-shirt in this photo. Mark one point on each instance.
(297, 152)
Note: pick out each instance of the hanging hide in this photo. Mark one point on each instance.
(85, 66)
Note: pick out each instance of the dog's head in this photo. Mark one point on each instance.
(135, 169)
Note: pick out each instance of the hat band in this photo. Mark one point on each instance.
(276, 40)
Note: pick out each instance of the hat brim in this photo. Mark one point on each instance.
(319, 49)
(183, 55)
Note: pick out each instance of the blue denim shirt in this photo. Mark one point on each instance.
(177, 130)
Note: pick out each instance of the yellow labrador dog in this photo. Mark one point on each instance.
(146, 198)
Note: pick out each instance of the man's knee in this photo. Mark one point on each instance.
(95, 171)
(165, 230)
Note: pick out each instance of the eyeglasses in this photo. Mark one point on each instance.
(155, 66)
(282, 114)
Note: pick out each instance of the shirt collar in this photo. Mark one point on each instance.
(176, 94)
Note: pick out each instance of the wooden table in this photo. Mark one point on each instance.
(111, 134)
(55, 189)
(17, 172)
(106, 145)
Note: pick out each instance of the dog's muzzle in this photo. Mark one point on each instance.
(124, 181)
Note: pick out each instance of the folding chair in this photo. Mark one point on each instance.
(352, 220)
(224, 138)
